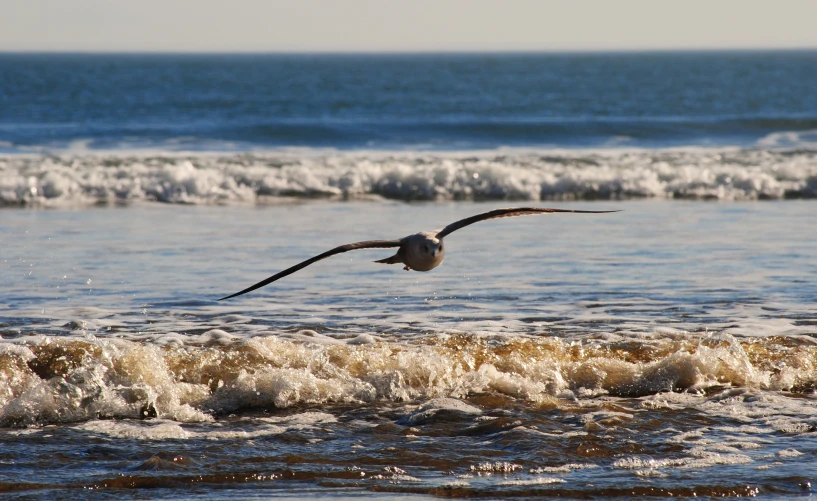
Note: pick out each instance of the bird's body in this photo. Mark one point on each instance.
(422, 251)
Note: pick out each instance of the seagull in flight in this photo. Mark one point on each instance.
(422, 251)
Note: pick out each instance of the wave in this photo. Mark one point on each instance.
(460, 130)
(193, 379)
(213, 178)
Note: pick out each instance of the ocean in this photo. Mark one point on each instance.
(665, 350)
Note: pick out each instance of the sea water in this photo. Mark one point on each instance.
(665, 350)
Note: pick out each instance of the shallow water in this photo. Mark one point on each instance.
(665, 350)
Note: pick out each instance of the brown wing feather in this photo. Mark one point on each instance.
(510, 212)
(369, 244)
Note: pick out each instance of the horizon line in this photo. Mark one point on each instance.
(409, 52)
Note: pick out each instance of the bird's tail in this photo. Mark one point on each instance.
(395, 259)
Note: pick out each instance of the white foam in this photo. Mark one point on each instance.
(53, 380)
(202, 178)
(697, 458)
(533, 481)
(152, 430)
(790, 453)
(789, 139)
(437, 407)
(567, 468)
(496, 467)
(162, 429)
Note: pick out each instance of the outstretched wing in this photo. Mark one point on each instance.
(369, 244)
(513, 211)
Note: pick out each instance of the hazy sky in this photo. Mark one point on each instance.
(404, 25)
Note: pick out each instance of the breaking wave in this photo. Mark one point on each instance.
(213, 178)
(57, 380)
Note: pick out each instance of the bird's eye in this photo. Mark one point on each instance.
(425, 248)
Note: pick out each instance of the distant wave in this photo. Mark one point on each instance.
(393, 133)
(213, 178)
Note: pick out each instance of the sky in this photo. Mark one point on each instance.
(404, 25)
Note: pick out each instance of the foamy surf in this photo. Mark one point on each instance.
(202, 178)
(524, 416)
(61, 380)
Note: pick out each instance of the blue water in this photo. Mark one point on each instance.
(449, 101)
(664, 350)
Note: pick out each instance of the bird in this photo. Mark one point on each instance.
(422, 251)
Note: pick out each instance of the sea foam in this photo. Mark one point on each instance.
(209, 178)
(56, 380)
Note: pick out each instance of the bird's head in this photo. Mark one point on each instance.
(424, 251)
(433, 248)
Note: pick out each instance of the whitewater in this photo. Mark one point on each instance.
(89, 177)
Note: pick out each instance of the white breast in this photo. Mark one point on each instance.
(424, 252)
